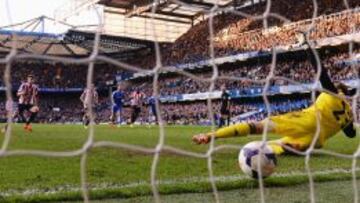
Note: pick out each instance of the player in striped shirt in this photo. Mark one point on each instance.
(9, 109)
(90, 99)
(28, 94)
(136, 102)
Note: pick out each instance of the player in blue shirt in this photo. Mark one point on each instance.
(152, 108)
(117, 103)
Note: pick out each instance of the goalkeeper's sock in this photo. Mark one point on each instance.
(241, 129)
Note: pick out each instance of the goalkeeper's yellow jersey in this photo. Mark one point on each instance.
(335, 113)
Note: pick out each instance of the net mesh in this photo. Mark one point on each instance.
(161, 147)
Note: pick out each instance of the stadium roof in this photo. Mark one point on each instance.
(185, 11)
(169, 18)
(161, 21)
(30, 37)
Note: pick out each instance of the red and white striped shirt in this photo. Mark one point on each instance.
(89, 95)
(136, 98)
(28, 93)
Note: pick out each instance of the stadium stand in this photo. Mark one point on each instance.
(236, 34)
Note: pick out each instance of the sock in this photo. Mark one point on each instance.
(32, 118)
(241, 129)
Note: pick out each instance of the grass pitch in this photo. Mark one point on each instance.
(118, 173)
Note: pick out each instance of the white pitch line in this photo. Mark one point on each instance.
(107, 186)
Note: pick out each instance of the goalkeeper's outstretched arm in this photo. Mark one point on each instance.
(327, 84)
(237, 130)
(325, 79)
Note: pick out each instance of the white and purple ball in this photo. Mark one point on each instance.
(249, 159)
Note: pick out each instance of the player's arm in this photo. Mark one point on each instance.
(82, 97)
(327, 84)
(325, 79)
(237, 130)
(96, 98)
(21, 90)
(36, 96)
(228, 101)
(113, 98)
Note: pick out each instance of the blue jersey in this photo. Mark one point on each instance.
(152, 105)
(117, 97)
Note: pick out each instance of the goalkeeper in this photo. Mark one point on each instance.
(298, 129)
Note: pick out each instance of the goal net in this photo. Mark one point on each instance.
(255, 48)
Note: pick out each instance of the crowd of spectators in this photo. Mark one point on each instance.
(58, 75)
(285, 36)
(235, 34)
(296, 68)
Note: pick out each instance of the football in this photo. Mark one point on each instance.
(250, 158)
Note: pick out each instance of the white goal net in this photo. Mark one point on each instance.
(273, 34)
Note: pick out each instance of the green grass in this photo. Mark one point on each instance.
(118, 173)
(339, 192)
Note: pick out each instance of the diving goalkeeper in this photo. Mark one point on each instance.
(298, 129)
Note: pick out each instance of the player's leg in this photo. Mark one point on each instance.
(156, 116)
(33, 113)
(135, 113)
(228, 118)
(132, 116)
(119, 117)
(85, 118)
(114, 110)
(22, 108)
(94, 115)
(5, 127)
(221, 121)
(138, 111)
